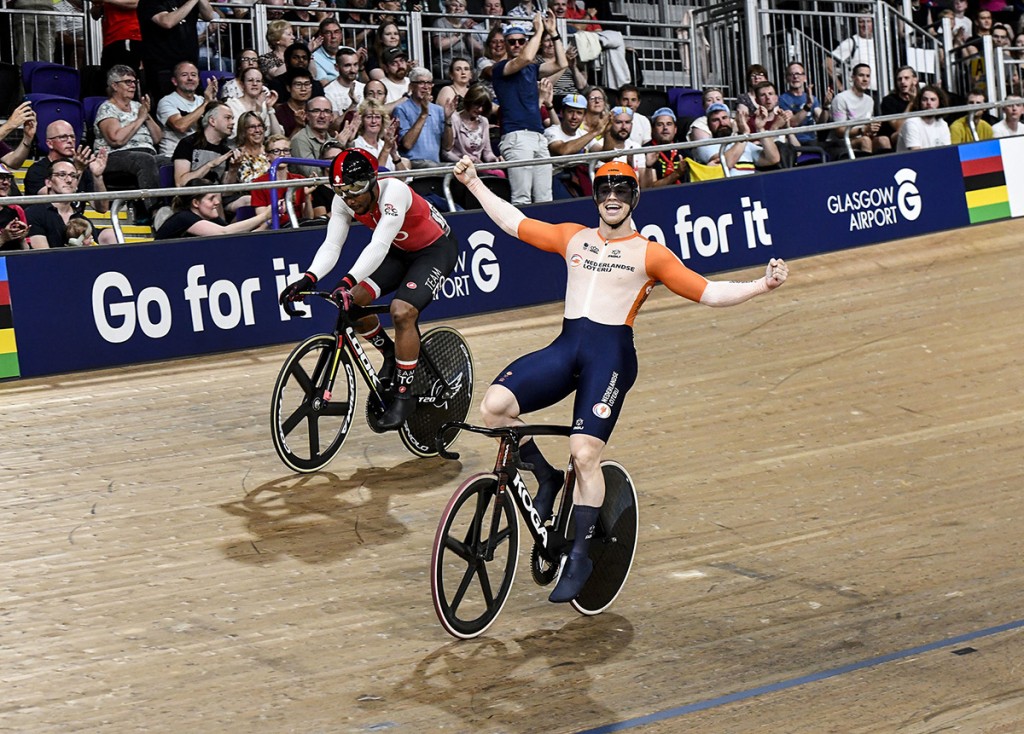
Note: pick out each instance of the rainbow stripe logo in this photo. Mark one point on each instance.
(8, 347)
(988, 197)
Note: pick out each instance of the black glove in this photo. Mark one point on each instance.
(294, 292)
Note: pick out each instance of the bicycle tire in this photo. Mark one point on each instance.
(465, 599)
(297, 425)
(450, 354)
(614, 543)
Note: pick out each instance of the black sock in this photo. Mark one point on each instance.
(530, 453)
(586, 521)
(380, 339)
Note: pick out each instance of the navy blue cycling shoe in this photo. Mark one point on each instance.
(574, 576)
(544, 502)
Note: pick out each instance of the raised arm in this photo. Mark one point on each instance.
(663, 264)
(503, 213)
(543, 236)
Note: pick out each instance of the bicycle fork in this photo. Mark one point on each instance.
(550, 538)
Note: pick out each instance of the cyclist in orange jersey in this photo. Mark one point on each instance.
(611, 271)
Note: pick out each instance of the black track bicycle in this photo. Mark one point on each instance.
(476, 547)
(314, 400)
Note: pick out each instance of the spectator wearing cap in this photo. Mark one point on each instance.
(617, 138)
(629, 96)
(424, 128)
(522, 134)
(740, 158)
(667, 166)
(569, 138)
(394, 62)
(346, 91)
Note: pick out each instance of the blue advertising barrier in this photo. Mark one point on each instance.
(77, 309)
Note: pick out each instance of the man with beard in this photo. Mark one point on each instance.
(205, 153)
(346, 90)
(411, 252)
(619, 138)
(740, 158)
(668, 165)
(594, 355)
(925, 132)
(899, 100)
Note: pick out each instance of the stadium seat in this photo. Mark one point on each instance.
(90, 106)
(651, 100)
(40, 77)
(51, 108)
(431, 188)
(687, 103)
(205, 76)
(461, 196)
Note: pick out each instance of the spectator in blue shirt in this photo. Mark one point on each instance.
(800, 100)
(423, 127)
(515, 83)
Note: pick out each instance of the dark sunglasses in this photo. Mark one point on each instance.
(621, 191)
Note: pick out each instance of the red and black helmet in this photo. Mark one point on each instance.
(353, 172)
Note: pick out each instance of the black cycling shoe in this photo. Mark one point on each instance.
(544, 502)
(397, 413)
(571, 580)
(386, 374)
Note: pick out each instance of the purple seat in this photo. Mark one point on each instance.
(687, 103)
(205, 76)
(90, 106)
(40, 77)
(51, 108)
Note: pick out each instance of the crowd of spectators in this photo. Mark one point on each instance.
(506, 86)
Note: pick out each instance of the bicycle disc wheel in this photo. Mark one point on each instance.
(450, 354)
(307, 431)
(613, 544)
(470, 585)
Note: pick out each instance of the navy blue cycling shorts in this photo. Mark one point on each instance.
(596, 361)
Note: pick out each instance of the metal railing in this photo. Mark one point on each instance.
(117, 198)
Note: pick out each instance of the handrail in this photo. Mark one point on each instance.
(503, 165)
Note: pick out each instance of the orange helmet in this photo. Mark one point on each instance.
(615, 174)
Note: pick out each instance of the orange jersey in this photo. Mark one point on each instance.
(609, 280)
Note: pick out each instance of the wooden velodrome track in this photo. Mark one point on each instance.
(830, 508)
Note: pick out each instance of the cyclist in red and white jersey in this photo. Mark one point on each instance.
(612, 270)
(410, 252)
